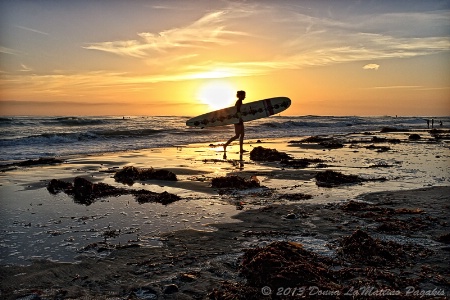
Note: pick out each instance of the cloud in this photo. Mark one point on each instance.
(209, 29)
(371, 67)
(295, 38)
(6, 50)
(25, 68)
(397, 87)
(32, 30)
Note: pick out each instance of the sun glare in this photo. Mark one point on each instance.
(217, 94)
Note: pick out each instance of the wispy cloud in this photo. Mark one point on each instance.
(25, 68)
(208, 30)
(306, 40)
(371, 67)
(32, 30)
(6, 50)
(415, 87)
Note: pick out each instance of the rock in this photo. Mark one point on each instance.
(187, 277)
(300, 163)
(55, 186)
(144, 196)
(85, 192)
(414, 137)
(264, 154)
(331, 178)
(291, 216)
(82, 188)
(331, 144)
(130, 174)
(295, 197)
(40, 161)
(445, 238)
(171, 289)
(389, 129)
(235, 182)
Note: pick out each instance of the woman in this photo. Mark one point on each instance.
(238, 127)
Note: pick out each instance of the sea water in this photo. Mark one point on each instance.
(37, 225)
(27, 137)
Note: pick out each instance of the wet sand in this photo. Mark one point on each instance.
(193, 249)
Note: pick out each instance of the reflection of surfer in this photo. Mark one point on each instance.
(239, 127)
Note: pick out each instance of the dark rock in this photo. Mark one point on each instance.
(130, 174)
(291, 216)
(331, 178)
(331, 144)
(295, 197)
(82, 188)
(188, 277)
(300, 163)
(445, 238)
(414, 137)
(378, 148)
(235, 182)
(312, 139)
(85, 192)
(144, 196)
(40, 161)
(390, 129)
(55, 186)
(171, 289)
(264, 154)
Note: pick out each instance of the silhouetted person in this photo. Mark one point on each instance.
(432, 123)
(428, 123)
(238, 127)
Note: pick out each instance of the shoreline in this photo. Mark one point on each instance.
(178, 250)
(195, 263)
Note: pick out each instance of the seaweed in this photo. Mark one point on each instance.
(300, 163)
(295, 197)
(332, 178)
(235, 182)
(85, 192)
(130, 174)
(265, 154)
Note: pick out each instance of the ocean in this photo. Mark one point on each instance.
(30, 137)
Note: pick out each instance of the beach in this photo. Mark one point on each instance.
(388, 188)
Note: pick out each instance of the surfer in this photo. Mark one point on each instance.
(238, 127)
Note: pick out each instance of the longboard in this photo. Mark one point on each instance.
(249, 111)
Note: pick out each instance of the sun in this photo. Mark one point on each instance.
(217, 94)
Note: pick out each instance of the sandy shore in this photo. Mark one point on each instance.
(54, 248)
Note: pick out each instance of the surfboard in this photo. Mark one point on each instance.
(249, 111)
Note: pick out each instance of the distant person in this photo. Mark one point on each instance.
(440, 123)
(428, 123)
(238, 127)
(432, 123)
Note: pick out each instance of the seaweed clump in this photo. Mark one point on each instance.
(235, 182)
(295, 197)
(130, 174)
(331, 178)
(301, 162)
(85, 192)
(360, 247)
(265, 154)
(286, 264)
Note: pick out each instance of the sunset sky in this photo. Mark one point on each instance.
(187, 57)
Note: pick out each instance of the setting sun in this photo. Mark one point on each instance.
(217, 94)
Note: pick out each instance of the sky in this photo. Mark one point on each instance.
(188, 57)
